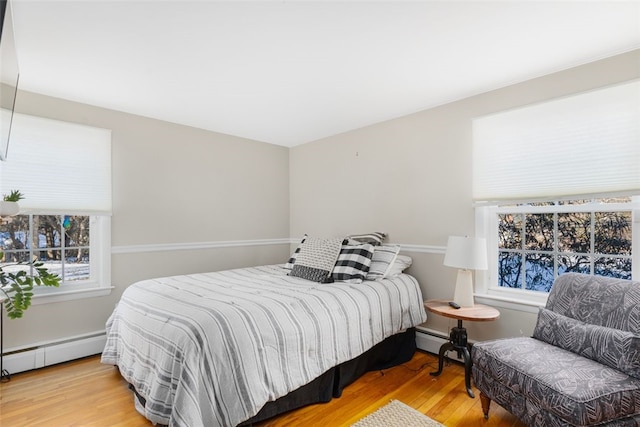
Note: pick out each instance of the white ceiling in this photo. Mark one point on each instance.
(290, 72)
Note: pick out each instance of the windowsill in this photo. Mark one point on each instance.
(511, 302)
(70, 295)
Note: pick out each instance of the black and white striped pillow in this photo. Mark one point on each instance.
(382, 261)
(294, 255)
(376, 238)
(353, 263)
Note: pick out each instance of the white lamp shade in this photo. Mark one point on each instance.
(468, 253)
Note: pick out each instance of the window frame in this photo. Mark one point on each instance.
(487, 226)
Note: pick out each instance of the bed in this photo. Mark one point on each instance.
(233, 347)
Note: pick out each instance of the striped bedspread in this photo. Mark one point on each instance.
(211, 349)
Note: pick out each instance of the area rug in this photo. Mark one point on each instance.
(396, 414)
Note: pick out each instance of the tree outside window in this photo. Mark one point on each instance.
(535, 247)
(61, 242)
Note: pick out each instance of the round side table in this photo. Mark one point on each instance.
(458, 335)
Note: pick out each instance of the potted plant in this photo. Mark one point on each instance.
(16, 284)
(9, 204)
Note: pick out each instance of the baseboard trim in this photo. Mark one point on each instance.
(53, 353)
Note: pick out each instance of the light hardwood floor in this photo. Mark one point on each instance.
(87, 393)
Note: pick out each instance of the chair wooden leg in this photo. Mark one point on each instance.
(485, 401)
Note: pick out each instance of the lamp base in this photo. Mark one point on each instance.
(463, 294)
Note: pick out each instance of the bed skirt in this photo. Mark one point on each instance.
(393, 351)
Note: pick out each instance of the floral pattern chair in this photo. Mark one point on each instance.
(582, 365)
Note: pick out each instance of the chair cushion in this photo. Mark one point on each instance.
(598, 300)
(575, 389)
(613, 347)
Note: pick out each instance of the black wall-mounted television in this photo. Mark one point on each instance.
(9, 76)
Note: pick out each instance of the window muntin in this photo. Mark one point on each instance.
(537, 242)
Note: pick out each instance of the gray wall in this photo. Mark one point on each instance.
(411, 177)
(172, 184)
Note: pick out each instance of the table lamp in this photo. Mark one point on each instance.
(465, 253)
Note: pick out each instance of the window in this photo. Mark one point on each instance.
(64, 171)
(530, 244)
(555, 187)
(537, 242)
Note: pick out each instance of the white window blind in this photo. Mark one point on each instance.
(586, 144)
(60, 167)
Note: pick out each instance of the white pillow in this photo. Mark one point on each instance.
(376, 238)
(401, 263)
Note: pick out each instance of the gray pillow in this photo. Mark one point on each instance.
(612, 347)
(316, 259)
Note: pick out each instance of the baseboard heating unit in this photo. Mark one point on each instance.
(52, 353)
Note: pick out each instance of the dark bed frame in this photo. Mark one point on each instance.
(393, 351)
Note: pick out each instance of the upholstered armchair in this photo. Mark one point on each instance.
(582, 365)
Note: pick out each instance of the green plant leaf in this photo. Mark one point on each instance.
(13, 196)
(18, 286)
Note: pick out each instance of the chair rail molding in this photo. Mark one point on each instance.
(160, 247)
(185, 246)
